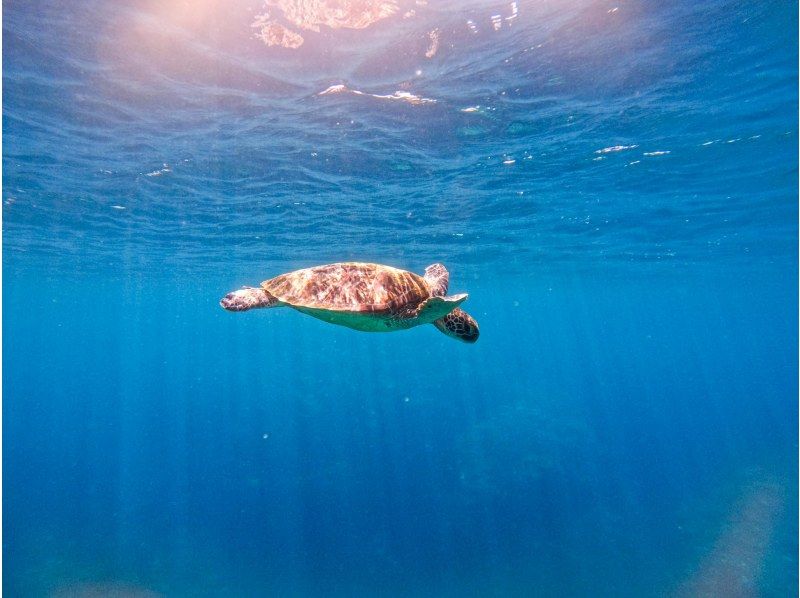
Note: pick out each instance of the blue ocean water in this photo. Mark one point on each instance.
(613, 182)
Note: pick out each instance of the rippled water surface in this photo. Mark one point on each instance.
(613, 182)
(142, 135)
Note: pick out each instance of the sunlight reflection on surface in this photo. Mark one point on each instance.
(311, 14)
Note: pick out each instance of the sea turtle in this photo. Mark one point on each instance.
(368, 297)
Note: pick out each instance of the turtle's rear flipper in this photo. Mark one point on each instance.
(247, 298)
(438, 278)
(459, 325)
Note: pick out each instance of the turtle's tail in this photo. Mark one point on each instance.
(247, 298)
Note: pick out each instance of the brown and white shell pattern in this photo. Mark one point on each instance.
(350, 287)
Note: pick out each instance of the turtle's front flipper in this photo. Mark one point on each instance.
(247, 298)
(460, 325)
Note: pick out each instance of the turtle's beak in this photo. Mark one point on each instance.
(232, 302)
(241, 300)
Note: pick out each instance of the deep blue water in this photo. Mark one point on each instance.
(615, 185)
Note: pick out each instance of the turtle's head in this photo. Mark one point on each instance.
(247, 298)
(459, 325)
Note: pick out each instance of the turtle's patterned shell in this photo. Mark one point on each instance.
(351, 287)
